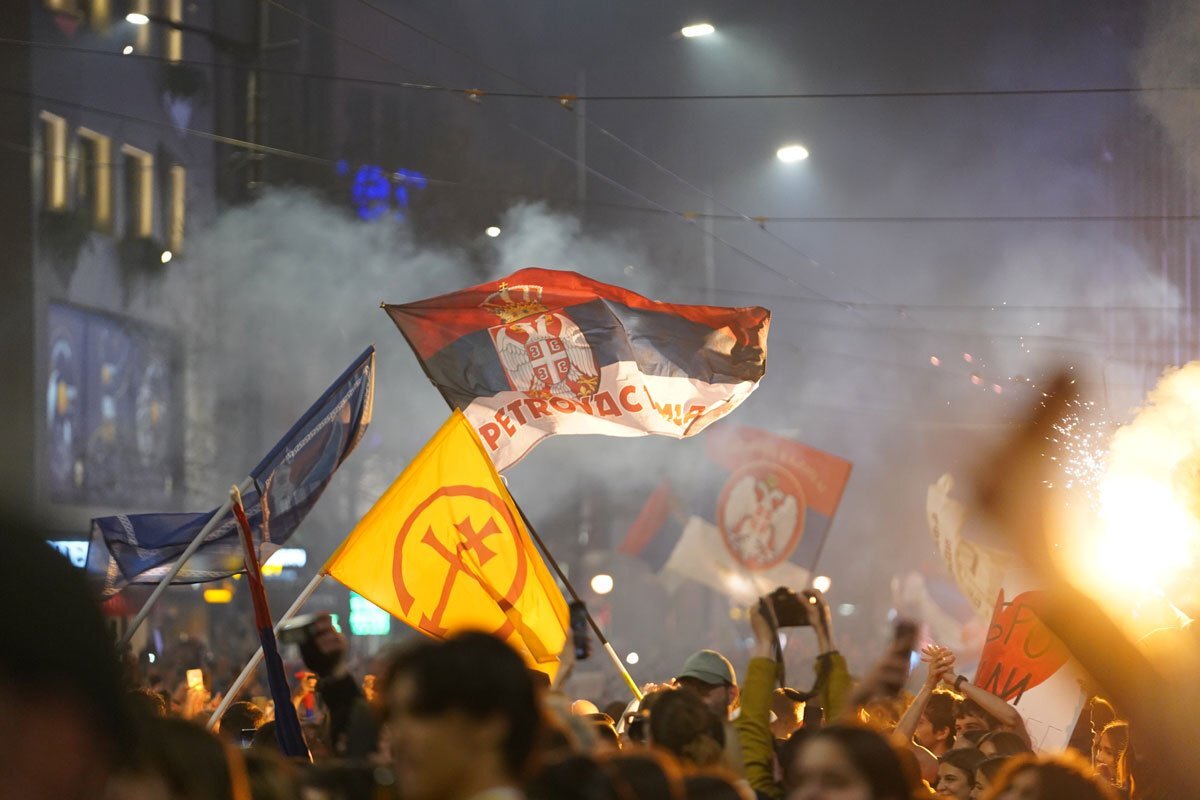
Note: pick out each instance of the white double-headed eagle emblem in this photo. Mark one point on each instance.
(759, 520)
(547, 356)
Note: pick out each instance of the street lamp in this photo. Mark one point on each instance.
(697, 30)
(602, 584)
(792, 153)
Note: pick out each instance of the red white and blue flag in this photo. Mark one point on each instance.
(544, 352)
(760, 510)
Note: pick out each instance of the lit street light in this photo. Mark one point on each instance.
(602, 584)
(697, 30)
(791, 153)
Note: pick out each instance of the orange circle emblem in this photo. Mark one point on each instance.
(473, 549)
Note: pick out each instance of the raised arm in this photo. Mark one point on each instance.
(941, 664)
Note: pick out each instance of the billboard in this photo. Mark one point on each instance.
(113, 410)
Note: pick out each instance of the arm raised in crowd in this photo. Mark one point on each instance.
(941, 664)
(754, 723)
(833, 683)
(353, 730)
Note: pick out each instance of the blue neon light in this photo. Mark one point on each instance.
(376, 192)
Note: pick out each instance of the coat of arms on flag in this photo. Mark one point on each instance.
(758, 516)
(545, 352)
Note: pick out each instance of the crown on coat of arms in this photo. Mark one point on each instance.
(512, 303)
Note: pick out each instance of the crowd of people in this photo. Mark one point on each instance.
(467, 719)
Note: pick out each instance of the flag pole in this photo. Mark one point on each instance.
(188, 552)
(608, 648)
(256, 659)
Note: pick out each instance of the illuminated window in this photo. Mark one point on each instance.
(178, 209)
(63, 6)
(100, 14)
(54, 161)
(138, 185)
(142, 41)
(174, 48)
(93, 179)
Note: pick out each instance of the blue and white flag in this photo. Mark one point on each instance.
(278, 494)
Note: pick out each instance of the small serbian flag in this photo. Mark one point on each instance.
(544, 352)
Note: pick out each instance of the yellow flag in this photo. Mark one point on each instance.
(444, 549)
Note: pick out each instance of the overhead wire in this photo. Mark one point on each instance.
(589, 168)
(659, 208)
(427, 86)
(690, 215)
(657, 165)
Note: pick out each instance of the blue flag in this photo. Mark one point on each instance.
(278, 494)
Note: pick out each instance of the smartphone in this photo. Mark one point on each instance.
(195, 678)
(247, 737)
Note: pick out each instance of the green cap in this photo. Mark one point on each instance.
(709, 666)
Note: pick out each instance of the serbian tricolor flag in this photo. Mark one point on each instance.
(288, 734)
(759, 511)
(544, 352)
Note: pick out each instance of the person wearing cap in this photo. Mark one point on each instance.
(709, 675)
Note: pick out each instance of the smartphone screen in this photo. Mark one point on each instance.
(195, 679)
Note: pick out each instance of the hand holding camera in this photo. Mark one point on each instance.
(322, 646)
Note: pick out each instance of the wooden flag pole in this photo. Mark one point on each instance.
(608, 648)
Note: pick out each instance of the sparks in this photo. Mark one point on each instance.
(1083, 444)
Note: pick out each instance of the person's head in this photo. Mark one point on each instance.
(637, 723)
(710, 676)
(844, 762)
(143, 702)
(606, 732)
(935, 730)
(970, 716)
(643, 775)
(177, 758)
(956, 772)
(240, 716)
(60, 681)
(1064, 776)
(682, 724)
(969, 740)
(572, 777)
(462, 716)
(270, 776)
(1003, 743)
(788, 707)
(265, 738)
(985, 775)
(1100, 713)
(1111, 751)
(710, 786)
